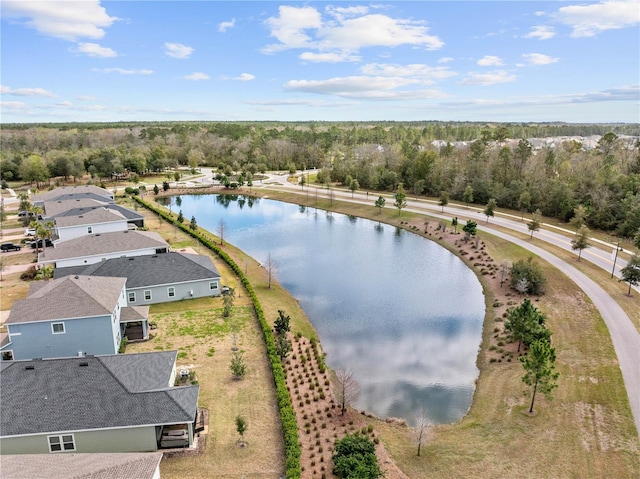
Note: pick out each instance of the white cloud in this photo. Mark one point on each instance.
(95, 50)
(488, 78)
(123, 71)
(423, 73)
(490, 61)
(539, 59)
(541, 32)
(224, 26)
(5, 90)
(13, 105)
(177, 50)
(590, 20)
(195, 76)
(69, 20)
(329, 57)
(445, 60)
(85, 98)
(245, 77)
(350, 30)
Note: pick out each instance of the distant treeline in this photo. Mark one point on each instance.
(504, 161)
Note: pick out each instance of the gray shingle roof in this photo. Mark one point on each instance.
(71, 394)
(68, 297)
(69, 192)
(141, 465)
(91, 217)
(134, 313)
(104, 243)
(126, 212)
(59, 207)
(142, 372)
(150, 270)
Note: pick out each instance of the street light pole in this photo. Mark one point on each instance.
(615, 259)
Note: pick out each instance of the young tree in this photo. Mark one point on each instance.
(281, 324)
(228, 305)
(526, 323)
(180, 218)
(156, 190)
(353, 186)
(444, 199)
(532, 272)
(401, 198)
(380, 204)
(193, 225)
(283, 347)
(454, 223)
(467, 196)
(490, 209)
(631, 272)
(270, 268)
(470, 228)
(238, 366)
(348, 389)
(581, 241)
(539, 366)
(241, 427)
(534, 224)
(165, 185)
(221, 227)
(423, 430)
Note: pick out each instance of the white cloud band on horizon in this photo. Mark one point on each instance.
(123, 71)
(5, 90)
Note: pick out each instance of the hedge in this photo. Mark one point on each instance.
(287, 415)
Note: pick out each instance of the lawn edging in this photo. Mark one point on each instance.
(287, 414)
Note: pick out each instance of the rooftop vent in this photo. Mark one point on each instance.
(29, 367)
(77, 277)
(131, 259)
(97, 234)
(84, 364)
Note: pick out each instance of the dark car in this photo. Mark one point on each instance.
(10, 247)
(47, 242)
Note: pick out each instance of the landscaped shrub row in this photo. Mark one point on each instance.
(287, 415)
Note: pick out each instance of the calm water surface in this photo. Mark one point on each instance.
(404, 314)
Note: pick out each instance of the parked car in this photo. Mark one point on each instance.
(47, 242)
(25, 213)
(9, 247)
(30, 232)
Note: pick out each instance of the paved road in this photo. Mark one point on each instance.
(624, 335)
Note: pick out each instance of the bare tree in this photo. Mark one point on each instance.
(347, 390)
(221, 227)
(270, 267)
(423, 430)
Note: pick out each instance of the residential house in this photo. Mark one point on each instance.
(79, 207)
(102, 246)
(55, 208)
(94, 221)
(157, 278)
(95, 404)
(71, 316)
(138, 465)
(72, 192)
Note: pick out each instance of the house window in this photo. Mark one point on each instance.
(172, 291)
(132, 296)
(89, 229)
(62, 443)
(213, 285)
(147, 295)
(57, 328)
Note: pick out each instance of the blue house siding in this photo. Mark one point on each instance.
(161, 294)
(38, 340)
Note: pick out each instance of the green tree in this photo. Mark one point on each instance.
(524, 202)
(444, 199)
(283, 347)
(539, 366)
(525, 324)
(454, 223)
(579, 215)
(241, 426)
(581, 240)
(34, 170)
(156, 190)
(534, 224)
(636, 239)
(631, 272)
(400, 197)
(470, 228)
(490, 209)
(380, 203)
(467, 196)
(238, 366)
(281, 324)
(354, 457)
(193, 225)
(353, 186)
(165, 185)
(180, 218)
(531, 271)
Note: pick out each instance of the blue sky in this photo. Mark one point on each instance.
(92, 60)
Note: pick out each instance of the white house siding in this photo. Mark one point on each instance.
(66, 233)
(131, 439)
(86, 260)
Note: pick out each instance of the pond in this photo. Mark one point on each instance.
(399, 311)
